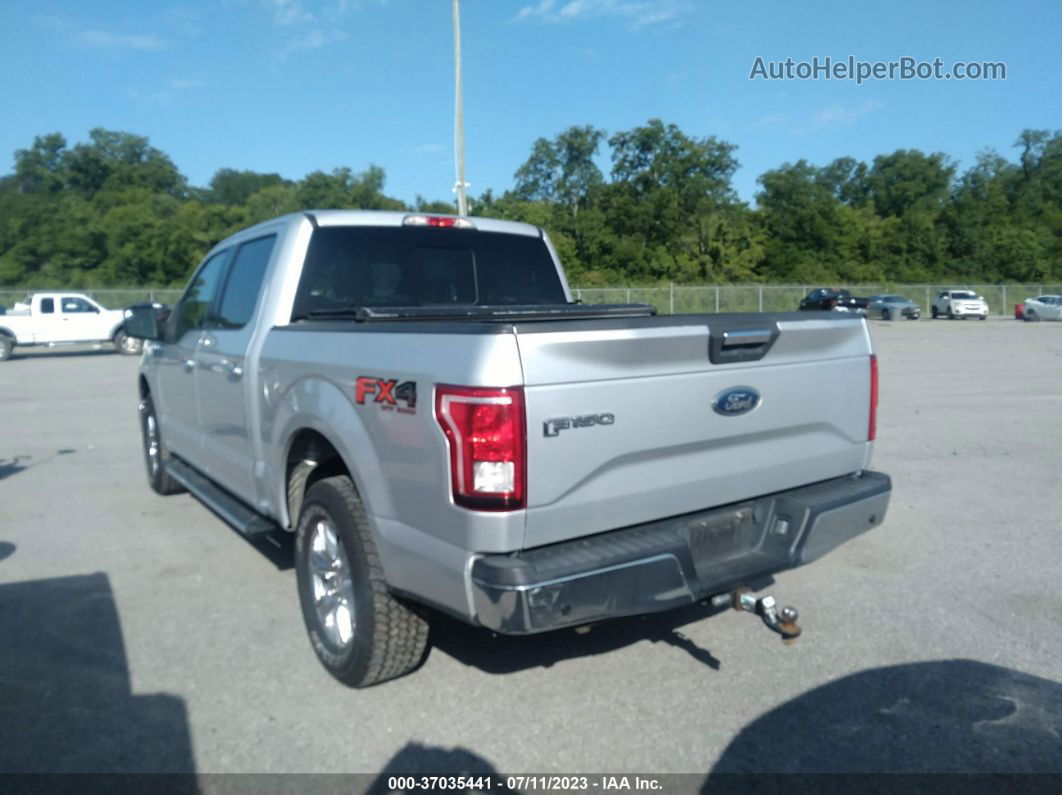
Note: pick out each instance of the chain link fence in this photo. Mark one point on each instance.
(110, 298)
(678, 299)
(669, 300)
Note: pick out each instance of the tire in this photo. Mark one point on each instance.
(933, 311)
(126, 345)
(951, 315)
(154, 452)
(6, 346)
(1031, 316)
(984, 317)
(385, 639)
(886, 314)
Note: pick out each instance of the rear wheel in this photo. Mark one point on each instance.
(154, 453)
(1031, 316)
(362, 634)
(126, 345)
(933, 311)
(886, 314)
(951, 315)
(6, 346)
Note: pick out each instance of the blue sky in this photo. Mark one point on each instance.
(297, 85)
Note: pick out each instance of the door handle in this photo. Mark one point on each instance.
(231, 369)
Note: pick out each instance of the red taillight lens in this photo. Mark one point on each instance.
(441, 221)
(485, 430)
(872, 431)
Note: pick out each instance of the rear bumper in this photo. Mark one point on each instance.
(673, 562)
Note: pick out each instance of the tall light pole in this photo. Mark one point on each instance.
(459, 119)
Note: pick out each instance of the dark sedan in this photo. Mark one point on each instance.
(831, 299)
(890, 307)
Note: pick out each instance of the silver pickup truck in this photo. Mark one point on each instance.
(421, 402)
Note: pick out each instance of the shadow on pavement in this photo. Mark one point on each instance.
(429, 760)
(951, 716)
(503, 654)
(9, 467)
(65, 699)
(7, 549)
(13, 466)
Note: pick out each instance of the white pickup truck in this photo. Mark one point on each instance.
(63, 319)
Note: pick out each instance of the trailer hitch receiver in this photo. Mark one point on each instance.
(781, 620)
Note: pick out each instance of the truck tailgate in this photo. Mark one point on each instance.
(666, 451)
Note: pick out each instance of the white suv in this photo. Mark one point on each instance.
(959, 303)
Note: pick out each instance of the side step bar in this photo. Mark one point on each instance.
(232, 510)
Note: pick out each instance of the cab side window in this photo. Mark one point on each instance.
(47, 306)
(72, 305)
(244, 283)
(192, 310)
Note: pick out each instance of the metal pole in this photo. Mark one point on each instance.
(459, 119)
(717, 299)
(761, 299)
(1005, 310)
(672, 301)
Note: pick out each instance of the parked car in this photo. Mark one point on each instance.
(418, 399)
(834, 300)
(959, 303)
(61, 319)
(1045, 307)
(889, 307)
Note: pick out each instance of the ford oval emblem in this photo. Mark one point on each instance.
(736, 400)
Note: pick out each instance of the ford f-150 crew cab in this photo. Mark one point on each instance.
(421, 402)
(63, 318)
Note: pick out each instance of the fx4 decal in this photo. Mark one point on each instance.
(555, 426)
(387, 393)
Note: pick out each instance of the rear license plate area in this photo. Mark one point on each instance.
(718, 536)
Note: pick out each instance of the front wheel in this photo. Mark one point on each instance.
(158, 478)
(951, 315)
(6, 346)
(933, 311)
(362, 634)
(126, 345)
(886, 314)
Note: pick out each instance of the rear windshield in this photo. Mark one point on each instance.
(964, 295)
(354, 266)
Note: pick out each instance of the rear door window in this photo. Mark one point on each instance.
(47, 306)
(402, 266)
(244, 283)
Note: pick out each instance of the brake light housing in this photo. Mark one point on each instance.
(486, 432)
(440, 221)
(872, 430)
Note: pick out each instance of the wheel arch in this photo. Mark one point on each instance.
(310, 456)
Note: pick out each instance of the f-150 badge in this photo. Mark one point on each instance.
(558, 424)
(387, 393)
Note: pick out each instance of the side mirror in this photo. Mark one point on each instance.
(146, 321)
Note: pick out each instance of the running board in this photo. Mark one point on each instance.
(242, 518)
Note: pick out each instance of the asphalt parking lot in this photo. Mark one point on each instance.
(139, 633)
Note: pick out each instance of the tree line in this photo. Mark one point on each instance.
(115, 210)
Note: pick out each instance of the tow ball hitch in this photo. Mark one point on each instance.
(781, 620)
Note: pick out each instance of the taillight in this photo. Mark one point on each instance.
(872, 431)
(485, 430)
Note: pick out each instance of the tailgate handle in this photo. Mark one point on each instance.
(748, 336)
(748, 344)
